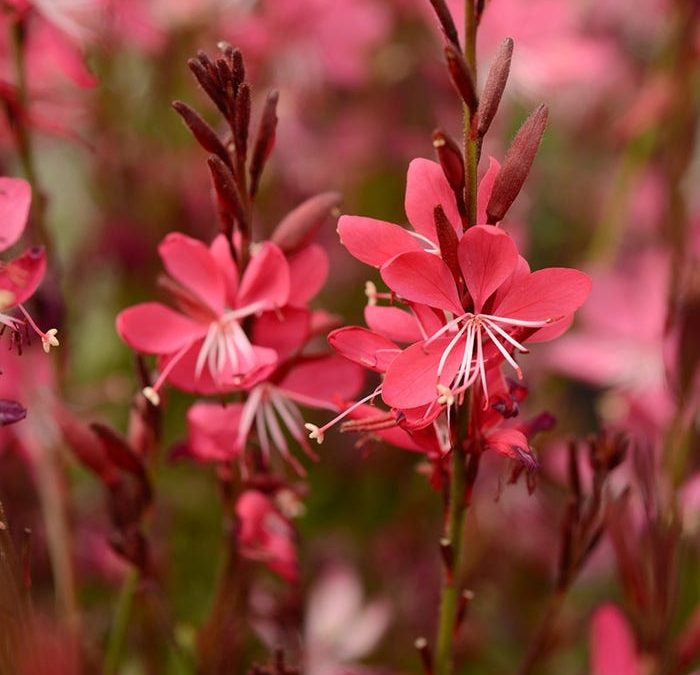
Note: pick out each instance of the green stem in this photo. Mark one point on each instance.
(120, 626)
(471, 149)
(460, 485)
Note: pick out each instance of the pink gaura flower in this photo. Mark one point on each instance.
(375, 242)
(21, 276)
(264, 534)
(613, 651)
(504, 305)
(204, 346)
(316, 380)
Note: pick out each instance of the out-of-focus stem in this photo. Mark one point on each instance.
(120, 626)
(457, 510)
(471, 149)
(539, 643)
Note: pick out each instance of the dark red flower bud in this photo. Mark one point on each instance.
(450, 158)
(227, 190)
(516, 166)
(202, 132)
(448, 241)
(494, 87)
(208, 83)
(299, 226)
(447, 24)
(265, 141)
(11, 412)
(242, 123)
(461, 77)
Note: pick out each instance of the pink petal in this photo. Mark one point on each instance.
(426, 188)
(15, 199)
(552, 331)
(551, 293)
(221, 252)
(192, 265)
(424, 278)
(393, 323)
(308, 270)
(364, 347)
(153, 328)
(487, 257)
(411, 379)
(265, 282)
(212, 431)
(285, 330)
(513, 444)
(520, 273)
(613, 651)
(323, 382)
(485, 188)
(22, 276)
(374, 242)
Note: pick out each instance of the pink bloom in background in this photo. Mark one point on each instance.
(20, 277)
(613, 651)
(340, 628)
(204, 347)
(265, 535)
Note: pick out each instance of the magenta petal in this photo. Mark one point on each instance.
(520, 273)
(484, 192)
(552, 331)
(221, 252)
(513, 444)
(487, 257)
(551, 293)
(212, 433)
(15, 199)
(22, 276)
(308, 270)
(364, 347)
(153, 328)
(426, 188)
(411, 379)
(374, 242)
(265, 282)
(284, 330)
(613, 650)
(424, 278)
(192, 265)
(393, 323)
(323, 382)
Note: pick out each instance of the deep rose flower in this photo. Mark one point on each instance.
(20, 277)
(266, 535)
(613, 651)
(204, 347)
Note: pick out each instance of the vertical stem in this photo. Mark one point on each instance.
(470, 142)
(120, 626)
(457, 510)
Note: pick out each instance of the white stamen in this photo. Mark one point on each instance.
(151, 395)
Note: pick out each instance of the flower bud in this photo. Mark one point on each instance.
(461, 77)
(265, 141)
(202, 132)
(494, 87)
(299, 226)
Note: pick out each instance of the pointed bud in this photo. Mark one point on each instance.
(516, 166)
(461, 77)
(238, 68)
(494, 87)
(465, 600)
(202, 132)
(11, 412)
(448, 557)
(450, 158)
(227, 190)
(207, 83)
(242, 123)
(265, 141)
(426, 658)
(299, 226)
(447, 23)
(448, 241)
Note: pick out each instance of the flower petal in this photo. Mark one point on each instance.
(551, 293)
(211, 431)
(308, 270)
(426, 188)
(153, 328)
(21, 277)
(374, 242)
(487, 257)
(513, 444)
(284, 330)
(485, 188)
(15, 199)
(265, 282)
(424, 278)
(613, 650)
(364, 347)
(191, 264)
(323, 381)
(393, 323)
(411, 379)
(221, 252)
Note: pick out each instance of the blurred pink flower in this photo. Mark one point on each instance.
(613, 651)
